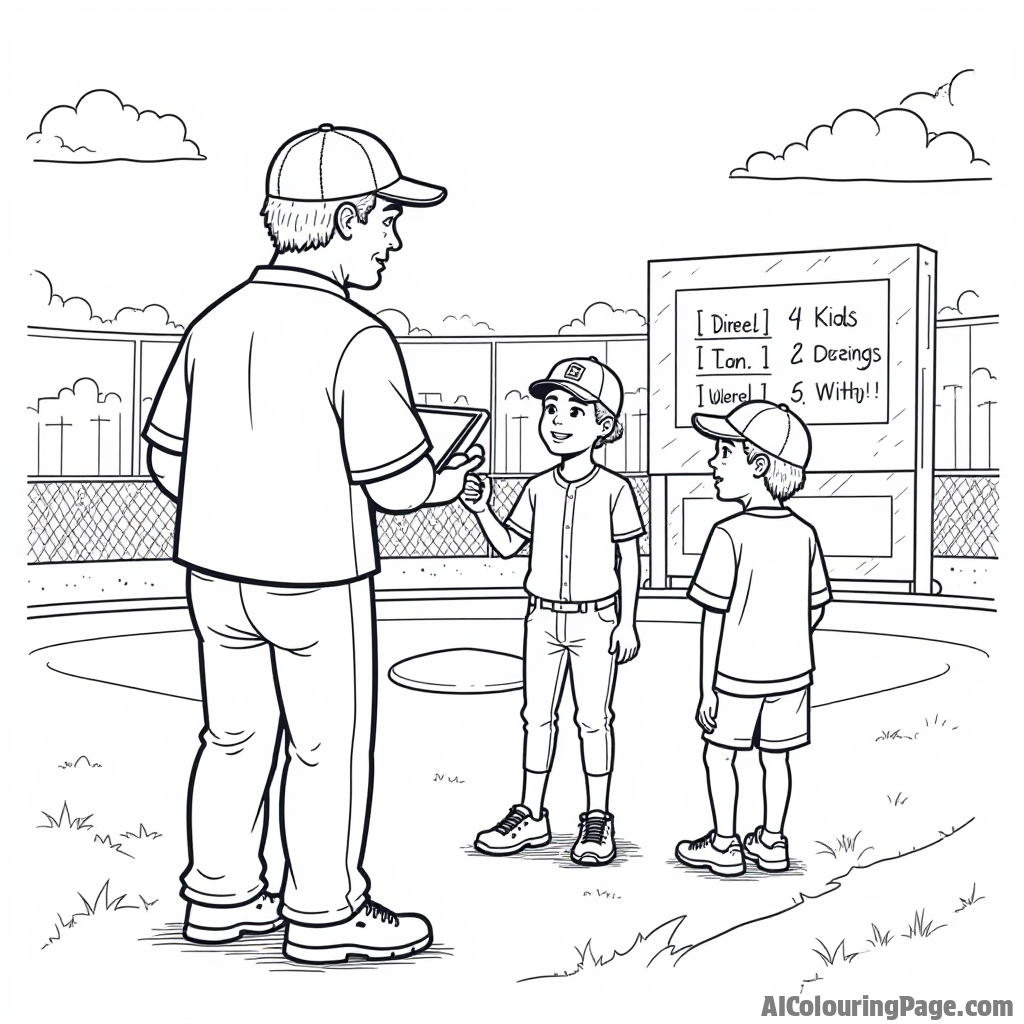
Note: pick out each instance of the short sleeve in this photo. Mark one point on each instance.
(821, 591)
(626, 521)
(381, 431)
(520, 519)
(165, 428)
(715, 579)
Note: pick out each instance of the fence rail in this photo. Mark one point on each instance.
(101, 520)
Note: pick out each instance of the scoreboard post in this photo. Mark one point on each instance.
(846, 338)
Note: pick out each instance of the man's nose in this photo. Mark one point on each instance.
(711, 461)
(394, 242)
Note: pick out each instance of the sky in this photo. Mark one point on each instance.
(577, 141)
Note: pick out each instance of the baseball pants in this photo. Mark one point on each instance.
(573, 646)
(300, 661)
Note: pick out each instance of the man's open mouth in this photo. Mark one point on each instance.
(560, 437)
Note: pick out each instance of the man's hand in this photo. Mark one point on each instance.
(450, 481)
(476, 495)
(624, 642)
(707, 712)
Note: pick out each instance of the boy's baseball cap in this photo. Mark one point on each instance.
(587, 379)
(329, 163)
(775, 429)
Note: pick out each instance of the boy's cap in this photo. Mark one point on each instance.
(773, 428)
(328, 163)
(586, 379)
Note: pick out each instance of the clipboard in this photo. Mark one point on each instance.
(451, 429)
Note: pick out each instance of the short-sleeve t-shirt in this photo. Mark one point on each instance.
(763, 569)
(573, 527)
(283, 399)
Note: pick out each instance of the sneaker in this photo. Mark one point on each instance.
(515, 832)
(214, 925)
(702, 853)
(596, 841)
(767, 858)
(372, 933)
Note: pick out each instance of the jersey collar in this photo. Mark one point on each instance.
(562, 482)
(294, 277)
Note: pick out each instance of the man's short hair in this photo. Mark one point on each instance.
(299, 225)
(783, 479)
(602, 414)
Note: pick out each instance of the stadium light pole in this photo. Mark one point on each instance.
(989, 404)
(956, 388)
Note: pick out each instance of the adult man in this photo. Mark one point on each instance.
(283, 420)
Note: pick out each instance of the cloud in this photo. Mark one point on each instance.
(895, 145)
(399, 324)
(100, 128)
(602, 318)
(460, 325)
(967, 304)
(957, 105)
(48, 309)
(84, 393)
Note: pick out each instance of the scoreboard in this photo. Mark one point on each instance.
(845, 337)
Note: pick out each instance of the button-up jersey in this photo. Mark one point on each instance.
(573, 527)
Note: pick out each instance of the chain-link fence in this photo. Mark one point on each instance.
(966, 516)
(106, 520)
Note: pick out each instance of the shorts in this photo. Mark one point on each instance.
(781, 721)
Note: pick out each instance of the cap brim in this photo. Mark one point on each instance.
(540, 388)
(411, 192)
(716, 427)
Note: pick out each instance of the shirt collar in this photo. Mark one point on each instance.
(768, 512)
(298, 278)
(562, 482)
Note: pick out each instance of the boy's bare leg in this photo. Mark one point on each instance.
(778, 782)
(723, 788)
(597, 792)
(535, 785)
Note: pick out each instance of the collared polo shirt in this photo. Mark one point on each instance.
(763, 569)
(573, 527)
(283, 399)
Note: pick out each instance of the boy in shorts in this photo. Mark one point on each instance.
(762, 585)
(583, 525)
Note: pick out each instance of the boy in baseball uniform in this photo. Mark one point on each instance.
(583, 526)
(762, 585)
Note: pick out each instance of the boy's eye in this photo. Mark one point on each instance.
(550, 409)
(574, 412)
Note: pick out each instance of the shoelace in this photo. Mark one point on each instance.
(593, 828)
(372, 909)
(510, 821)
(704, 841)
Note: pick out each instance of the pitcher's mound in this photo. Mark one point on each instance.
(460, 670)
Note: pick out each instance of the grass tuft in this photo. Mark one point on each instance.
(143, 833)
(844, 844)
(109, 842)
(920, 928)
(879, 939)
(970, 900)
(898, 800)
(64, 820)
(831, 956)
(80, 762)
(103, 903)
(895, 734)
(934, 723)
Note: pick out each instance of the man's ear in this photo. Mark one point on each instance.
(345, 219)
(761, 465)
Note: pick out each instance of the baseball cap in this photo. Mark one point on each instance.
(328, 163)
(587, 379)
(773, 428)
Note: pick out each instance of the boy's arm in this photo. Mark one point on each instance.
(476, 497)
(624, 641)
(710, 643)
(817, 614)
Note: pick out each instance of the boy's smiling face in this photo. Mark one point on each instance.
(567, 425)
(735, 478)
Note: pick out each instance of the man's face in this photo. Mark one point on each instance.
(368, 246)
(567, 425)
(735, 478)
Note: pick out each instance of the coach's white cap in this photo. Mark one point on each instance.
(775, 429)
(587, 379)
(331, 163)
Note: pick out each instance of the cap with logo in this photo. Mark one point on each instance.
(773, 428)
(329, 163)
(586, 379)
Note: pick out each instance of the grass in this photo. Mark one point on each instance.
(894, 734)
(970, 900)
(879, 939)
(934, 723)
(64, 820)
(898, 800)
(78, 762)
(920, 928)
(109, 842)
(143, 833)
(831, 956)
(844, 844)
(103, 903)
